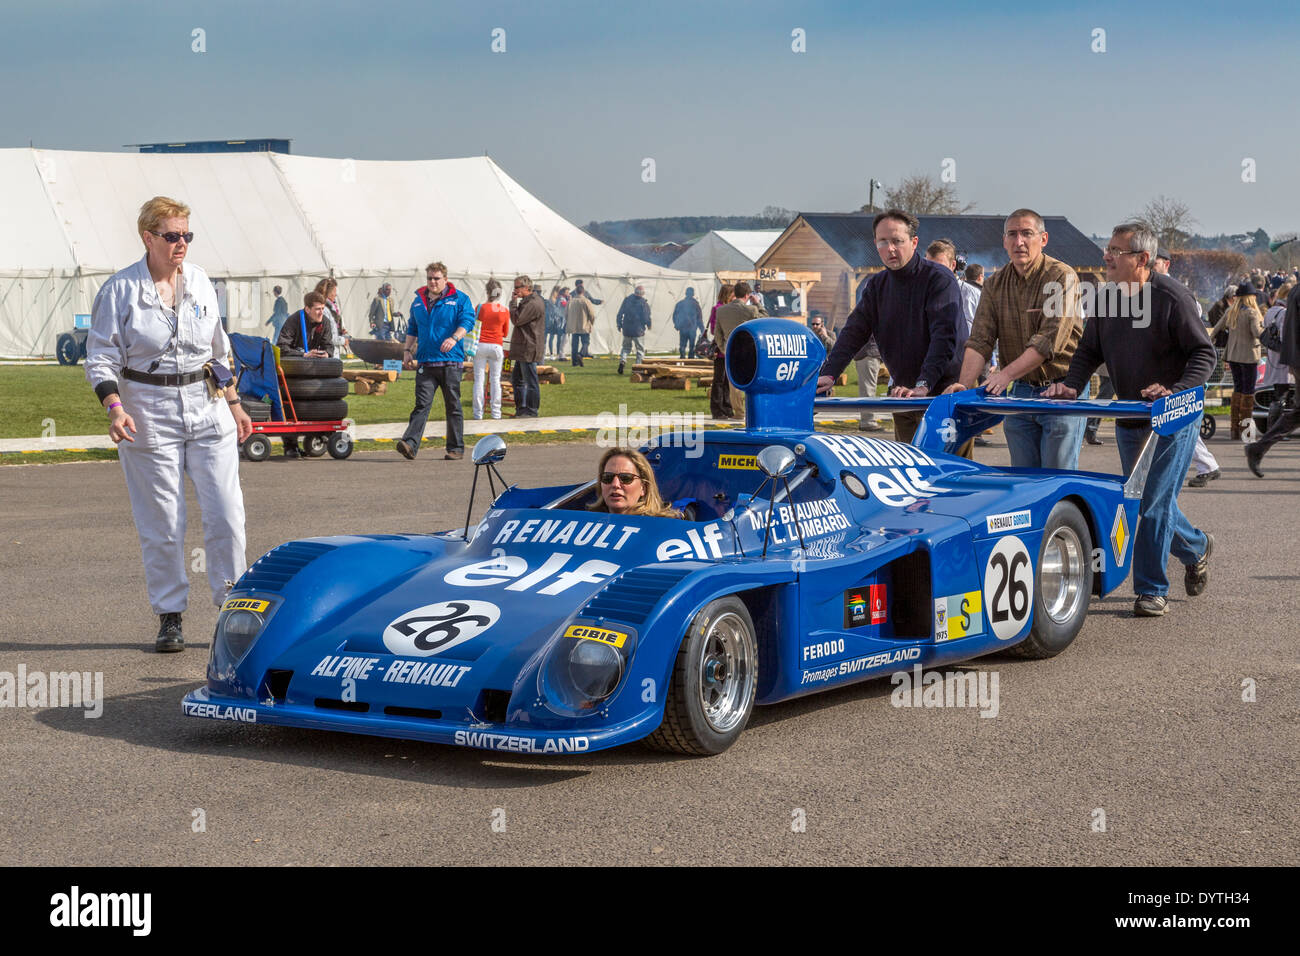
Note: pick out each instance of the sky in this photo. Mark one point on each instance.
(1024, 104)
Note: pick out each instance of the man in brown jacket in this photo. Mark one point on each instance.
(580, 320)
(726, 320)
(527, 345)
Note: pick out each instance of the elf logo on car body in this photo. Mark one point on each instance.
(434, 628)
(245, 715)
(527, 745)
(958, 615)
(1011, 521)
(699, 543)
(747, 462)
(245, 604)
(859, 664)
(588, 633)
(507, 567)
(1009, 587)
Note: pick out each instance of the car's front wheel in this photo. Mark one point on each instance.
(711, 693)
(1063, 585)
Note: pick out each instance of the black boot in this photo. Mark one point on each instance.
(169, 634)
(620, 368)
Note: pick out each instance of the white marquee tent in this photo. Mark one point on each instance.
(727, 250)
(266, 219)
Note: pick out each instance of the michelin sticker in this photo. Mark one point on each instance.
(1009, 587)
(434, 628)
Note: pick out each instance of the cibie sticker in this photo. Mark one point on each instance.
(434, 628)
(1009, 588)
(604, 636)
(245, 604)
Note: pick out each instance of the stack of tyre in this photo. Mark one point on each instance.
(317, 389)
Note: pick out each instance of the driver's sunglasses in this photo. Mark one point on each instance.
(624, 478)
(174, 237)
(436, 278)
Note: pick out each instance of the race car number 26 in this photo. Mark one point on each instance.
(1009, 587)
(434, 628)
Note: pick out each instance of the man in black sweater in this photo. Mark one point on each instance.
(1147, 332)
(912, 307)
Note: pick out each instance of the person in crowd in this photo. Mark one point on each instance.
(329, 288)
(1166, 353)
(1030, 311)
(1276, 374)
(581, 320)
(818, 328)
(1244, 323)
(911, 307)
(688, 320)
(527, 346)
(727, 319)
(578, 287)
(719, 393)
(441, 316)
(1289, 356)
(279, 312)
(628, 486)
(493, 325)
(556, 320)
(310, 332)
(972, 286)
(155, 327)
(1105, 388)
(381, 313)
(633, 321)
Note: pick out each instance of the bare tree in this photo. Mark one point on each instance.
(924, 196)
(1170, 219)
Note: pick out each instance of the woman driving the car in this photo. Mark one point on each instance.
(628, 487)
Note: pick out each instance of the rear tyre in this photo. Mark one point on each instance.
(303, 367)
(316, 389)
(339, 445)
(314, 446)
(1062, 585)
(711, 693)
(257, 448)
(313, 411)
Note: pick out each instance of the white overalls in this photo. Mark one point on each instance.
(178, 429)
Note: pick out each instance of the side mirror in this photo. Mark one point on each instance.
(489, 450)
(775, 461)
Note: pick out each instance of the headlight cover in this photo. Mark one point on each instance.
(584, 667)
(241, 620)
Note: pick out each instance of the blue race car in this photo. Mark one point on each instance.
(806, 561)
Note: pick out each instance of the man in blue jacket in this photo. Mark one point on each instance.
(440, 318)
(633, 321)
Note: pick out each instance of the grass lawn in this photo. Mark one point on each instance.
(34, 396)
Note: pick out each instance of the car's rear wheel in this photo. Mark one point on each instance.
(1063, 584)
(711, 692)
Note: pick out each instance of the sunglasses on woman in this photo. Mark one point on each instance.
(624, 478)
(175, 237)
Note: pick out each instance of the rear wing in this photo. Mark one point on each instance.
(952, 420)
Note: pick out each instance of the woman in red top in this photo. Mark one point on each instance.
(493, 327)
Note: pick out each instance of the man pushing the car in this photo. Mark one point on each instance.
(1154, 345)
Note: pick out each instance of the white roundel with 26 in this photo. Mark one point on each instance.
(432, 629)
(1009, 587)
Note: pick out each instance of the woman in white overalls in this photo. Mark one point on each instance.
(155, 325)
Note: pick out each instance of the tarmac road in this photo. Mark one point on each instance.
(1142, 720)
